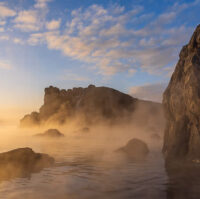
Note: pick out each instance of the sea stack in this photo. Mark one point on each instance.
(181, 101)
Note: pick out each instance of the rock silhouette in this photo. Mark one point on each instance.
(91, 105)
(135, 148)
(181, 102)
(51, 133)
(21, 162)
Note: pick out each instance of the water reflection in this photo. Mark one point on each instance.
(184, 181)
(85, 175)
(87, 169)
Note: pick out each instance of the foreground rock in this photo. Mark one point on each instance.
(181, 102)
(23, 161)
(135, 148)
(91, 106)
(51, 133)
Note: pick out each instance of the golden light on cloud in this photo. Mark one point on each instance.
(5, 65)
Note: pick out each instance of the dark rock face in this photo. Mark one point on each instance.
(51, 133)
(23, 161)
(181, 102)
(91, 104)
(135, 148)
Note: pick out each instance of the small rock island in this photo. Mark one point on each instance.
(135, 148)
(23, 161)
(51, 133)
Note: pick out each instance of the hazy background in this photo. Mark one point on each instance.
(130, 45)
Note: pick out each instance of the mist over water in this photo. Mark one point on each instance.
(87, 165)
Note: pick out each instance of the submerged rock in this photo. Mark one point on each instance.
(181, 102)
(23, 161)
(52, 133)
(135, 148)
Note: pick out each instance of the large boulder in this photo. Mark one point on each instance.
(51, 133)
(181, 102)
(135, 148)
(23, 161)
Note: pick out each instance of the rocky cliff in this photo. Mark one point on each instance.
(181, 102)
(91, 105)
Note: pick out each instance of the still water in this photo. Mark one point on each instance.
(88, 172)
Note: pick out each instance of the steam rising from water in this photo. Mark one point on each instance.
(83, 157)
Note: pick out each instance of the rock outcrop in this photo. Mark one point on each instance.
(91, 105)
(23, 161)
(135, 148)
(51, 133)
(181, 102)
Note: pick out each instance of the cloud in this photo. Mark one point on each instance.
(37, 38)
(5, 65)
(27, 20)
(53, 25)
(41, 3)
(6, 12)
(18, 41)
(2, 29)
(74, 77)
(34, 19)
(4, 37)
(2, 22)
(107, 39)
(90, 36)
(152, 92)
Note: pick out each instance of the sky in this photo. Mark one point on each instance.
(129, 45)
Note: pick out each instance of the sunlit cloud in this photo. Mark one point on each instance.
(27, 21)
(2, 22)
(53, 25)
(5, 11)
(107, 39)
(2, 29)
(41, 3)
(4, 37)
(100, 37)
(5, 65)
(18, 41)
(69, 76)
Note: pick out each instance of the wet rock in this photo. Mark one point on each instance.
(23, 161)
(51, 133)
(135, 148)
(181, 102)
